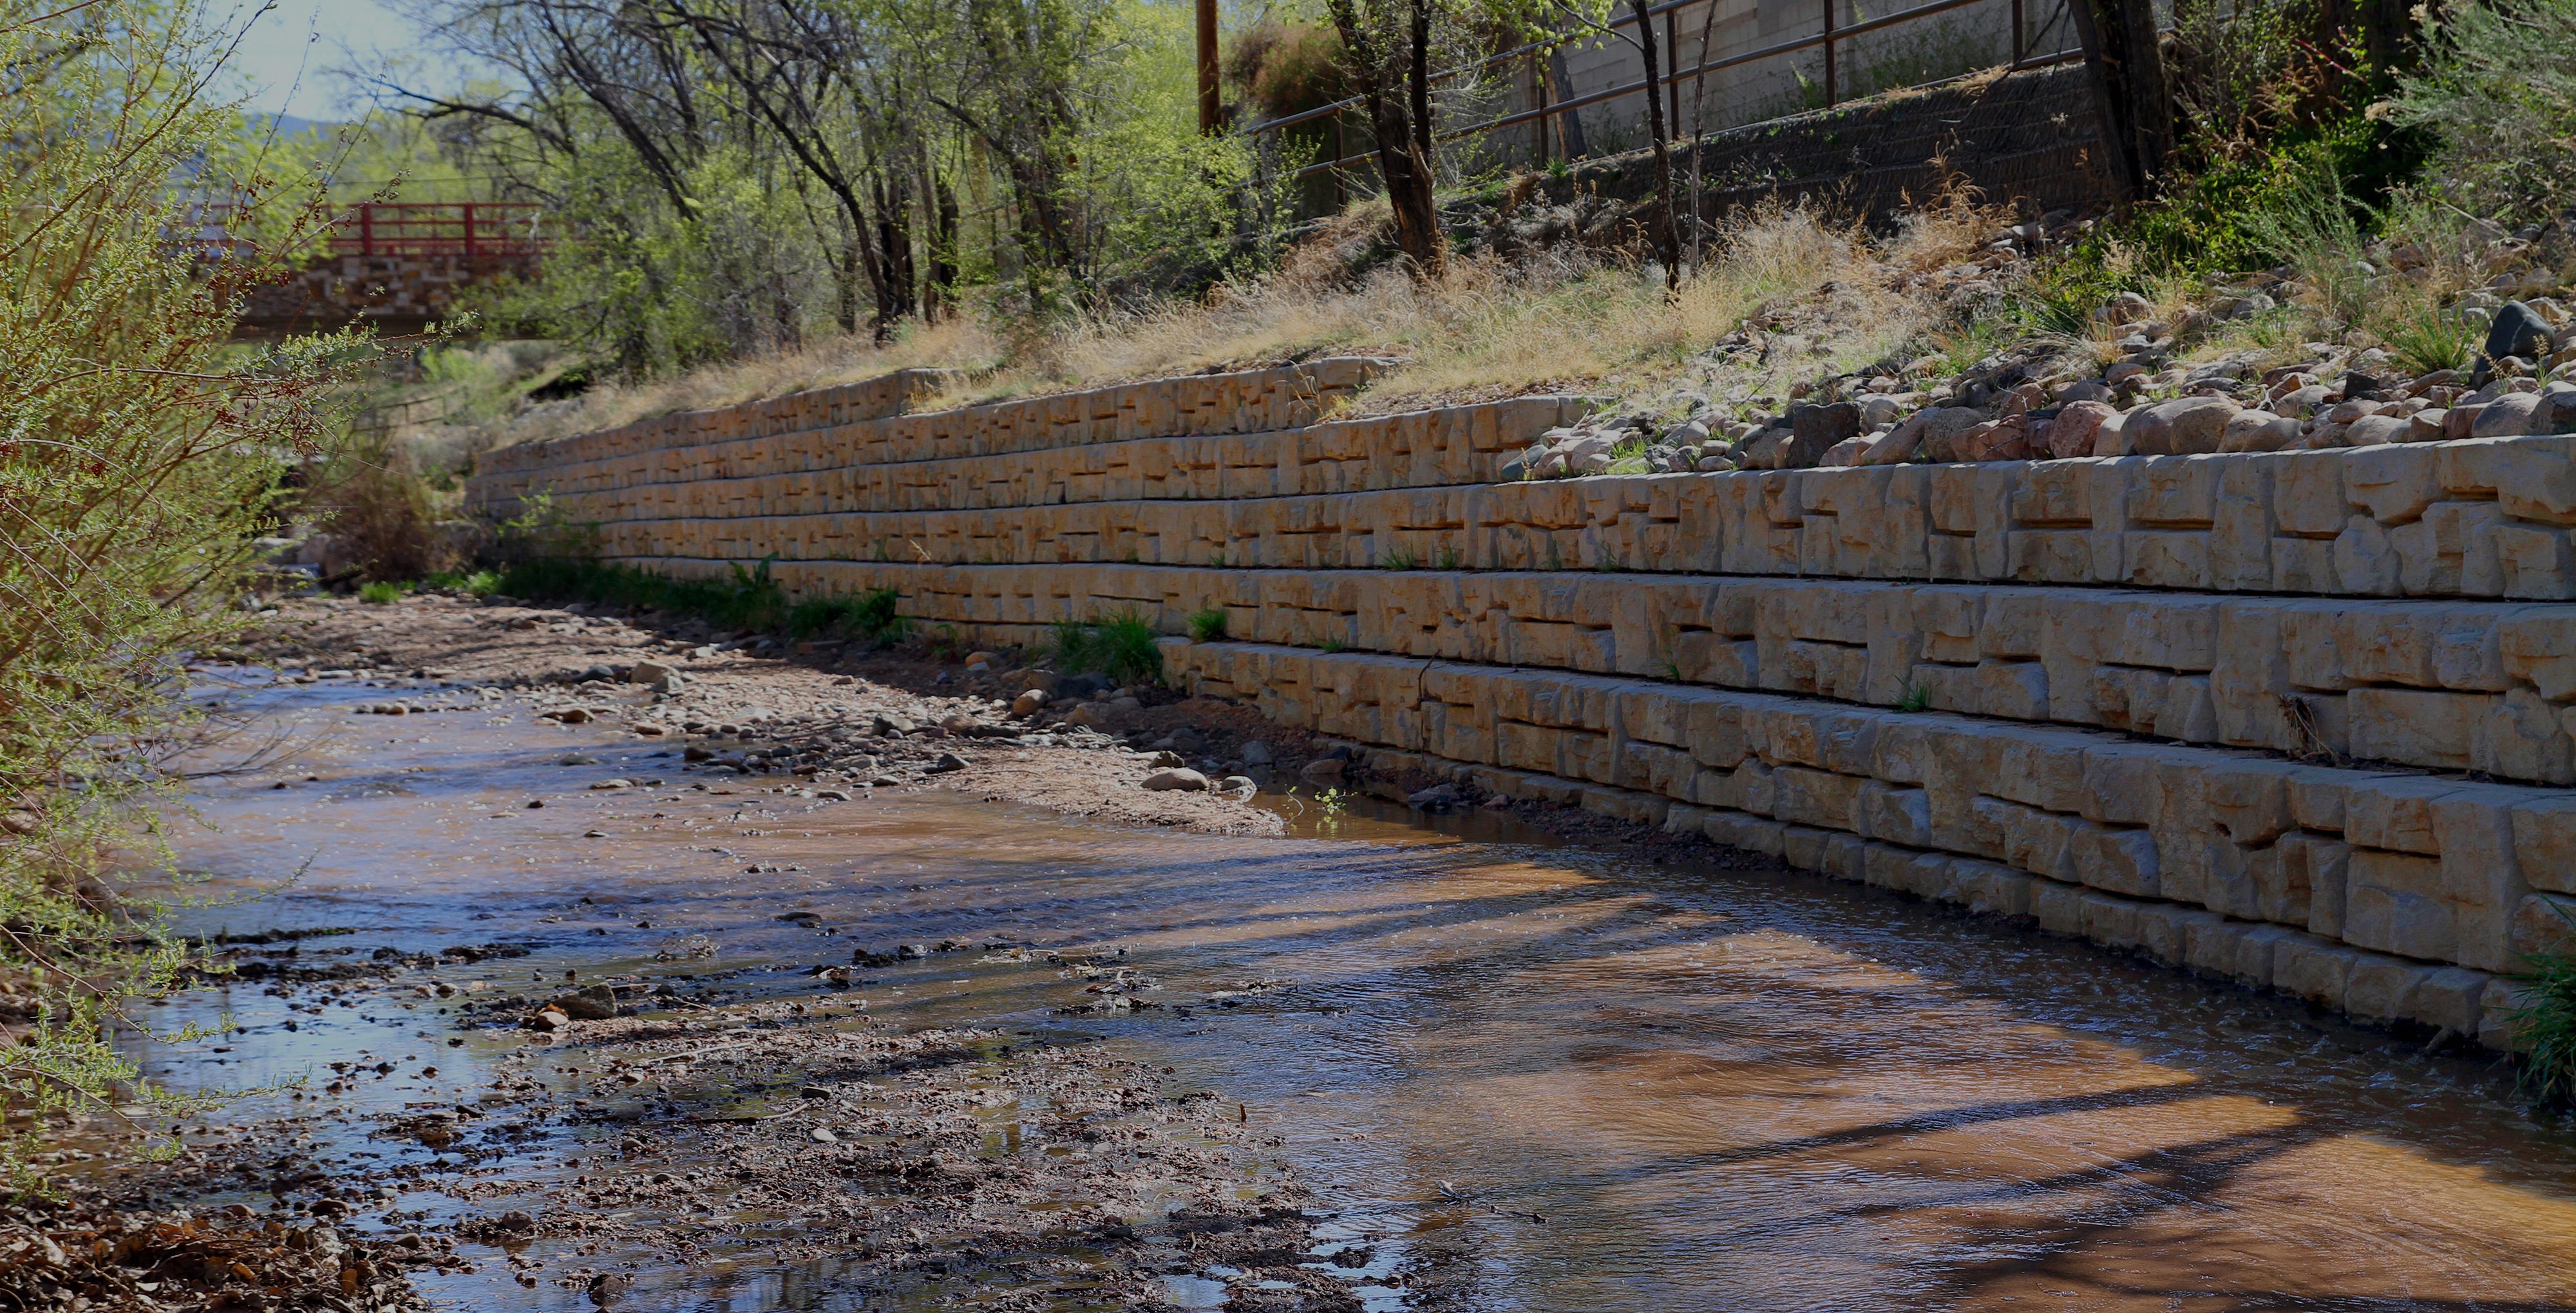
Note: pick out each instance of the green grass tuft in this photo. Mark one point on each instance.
(1208, 626)
(1125, 647)
(381, 593)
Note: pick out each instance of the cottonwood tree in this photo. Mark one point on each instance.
(1386, 53)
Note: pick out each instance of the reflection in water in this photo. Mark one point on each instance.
(1529, 1076)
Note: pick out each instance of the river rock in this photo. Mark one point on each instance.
(2077, 422)
(1176, 780)
(590, 1003)
(1814, 430)
(2184, 426)
(1322, 771)
(2376, 431)
(2507, 416)
(1437, 798)
(2257, 430)
(1028, 703)
(895, 727)
(648, 672)
(2518, 330)
(1999, 439)
(948, 761)
(1257, 753)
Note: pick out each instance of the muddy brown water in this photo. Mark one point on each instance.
(1566, 1078)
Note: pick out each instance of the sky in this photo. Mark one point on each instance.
(287, 61)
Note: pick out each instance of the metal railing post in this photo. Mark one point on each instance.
(469, 230)
(367, 230)
(2017, 33)
(1830, 91)
(1672, 79)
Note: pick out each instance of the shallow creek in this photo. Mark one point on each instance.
(1566, 1079)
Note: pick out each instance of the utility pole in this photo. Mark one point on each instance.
(1209, 109)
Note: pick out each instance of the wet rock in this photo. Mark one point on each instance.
(1257, 753)
(591, 1003)
(613, 784)
(1322, 771)
(1241, 785)
(1437, 798)
(547, 1018)
(1176, 780)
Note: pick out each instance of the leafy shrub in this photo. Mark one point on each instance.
(381, 592)
(2497, 96)
(1208, 626)
(141, 450)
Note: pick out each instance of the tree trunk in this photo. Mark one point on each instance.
(2126, 69)
(1667, 236)
(1404, 164)
(1569, 125)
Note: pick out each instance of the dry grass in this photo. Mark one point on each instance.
(1560, 320)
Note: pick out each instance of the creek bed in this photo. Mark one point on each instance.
(1503, 1073)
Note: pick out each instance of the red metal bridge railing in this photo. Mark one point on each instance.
(466, 229)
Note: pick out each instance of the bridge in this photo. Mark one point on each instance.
(399, 267)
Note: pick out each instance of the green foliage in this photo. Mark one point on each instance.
(1917, 698)
(1208, 626)
(2497, 97)
(382, 592)
(1124, 647)
(2547, 1019)
(869, 616)
(472, 583)
(2424, 336)
(140, 453)
(1402, 558)
(743, 599)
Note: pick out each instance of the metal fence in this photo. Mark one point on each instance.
(1828, 36)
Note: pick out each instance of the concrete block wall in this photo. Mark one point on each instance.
(2490, 517)
(2454, 685)
(2304, 719)
(865, 424)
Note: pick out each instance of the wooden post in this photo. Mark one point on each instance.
(1830, 96)
(1209, 108)
(469, 228)
(1538, 123)
(2018, 27)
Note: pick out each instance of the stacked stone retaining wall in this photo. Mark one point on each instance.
(2300, 719)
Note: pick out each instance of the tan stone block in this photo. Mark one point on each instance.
(2383, 988)
(2313, 969)
(2544, 840)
